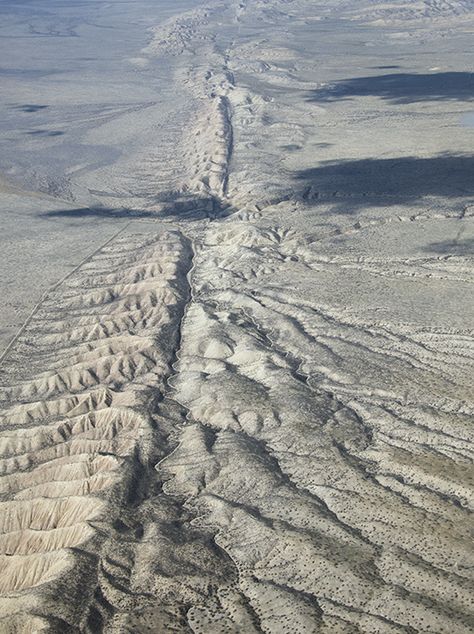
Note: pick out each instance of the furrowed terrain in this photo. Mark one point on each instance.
(245, 404)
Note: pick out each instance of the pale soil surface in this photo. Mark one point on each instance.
(237, 280)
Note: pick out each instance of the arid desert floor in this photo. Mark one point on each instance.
(236, 328)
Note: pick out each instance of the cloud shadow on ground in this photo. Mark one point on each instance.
(462, 246)
(172, 207)
(401, 88)
(389, 181)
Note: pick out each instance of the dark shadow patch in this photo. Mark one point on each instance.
(94, 212)
(387, 182)
(45, 133)
(184, 208)
(292, 147)
(402, 88)
(452, 247)
(31, 107)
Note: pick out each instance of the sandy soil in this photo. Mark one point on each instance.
(236, 379)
